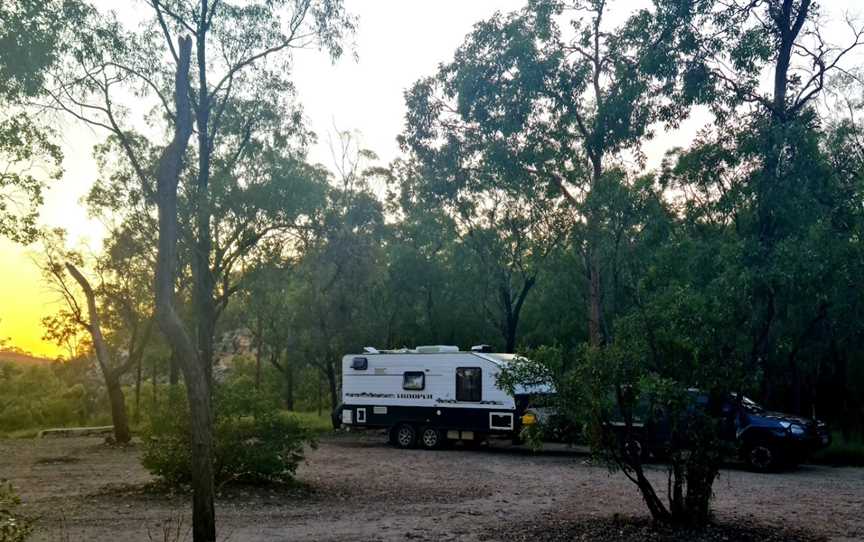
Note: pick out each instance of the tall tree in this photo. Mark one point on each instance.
(242, 53)
(524, 109)
(762, 167)
(339, 271)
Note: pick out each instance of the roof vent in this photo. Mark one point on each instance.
(483, 348)
(437, 349)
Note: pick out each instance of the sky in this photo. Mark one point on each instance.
(398, 42)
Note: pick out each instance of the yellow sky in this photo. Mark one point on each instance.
(23, 301)
(24, 297)
(398, 42)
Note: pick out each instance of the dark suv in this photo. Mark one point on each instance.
(768, 439)
(765, 440)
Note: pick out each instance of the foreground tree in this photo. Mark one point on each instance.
(196, 374)
(238, 104)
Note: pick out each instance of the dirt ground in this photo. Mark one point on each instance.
(359, 488)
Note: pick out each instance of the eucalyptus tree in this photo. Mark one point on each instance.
(762, 168)
(267, 304)
(242, 55)
(420, 251)
(339, 275)
(511, 244)
(508, 234)
(528, 108)
(743, 285)
(838, 381)
(125, 270)
(115, 309)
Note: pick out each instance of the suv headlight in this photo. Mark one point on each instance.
(796, 429)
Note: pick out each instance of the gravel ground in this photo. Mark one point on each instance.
(356, 487)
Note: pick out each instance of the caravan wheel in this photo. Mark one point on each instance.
(430, 438)
(406, 436)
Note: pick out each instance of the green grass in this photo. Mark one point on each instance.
(842, 451)
(30, 432)
(317, 424)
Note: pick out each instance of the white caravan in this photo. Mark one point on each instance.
(430, 394)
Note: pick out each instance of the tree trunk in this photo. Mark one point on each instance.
(196, 376)
(592, 258)
(595, 296)
(138, 378)
(700, 479)
(203, 286)
(122, 434)
(430, 316)
(259, 349)
(154, 384)
(319, 399)
(513, 312)
(289, 383)
(332, 384)
(788, 25)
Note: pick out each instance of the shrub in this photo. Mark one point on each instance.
(34, 397)
(610, 393)
(13, 527)
(254, 442)
(842, 451)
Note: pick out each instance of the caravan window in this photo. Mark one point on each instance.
(414, 381)
(469, 384)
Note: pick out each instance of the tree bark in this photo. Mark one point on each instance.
(259, 350)
(205, 305)
(197, 378)
(595, 297)
(592, 257)
(289, 385)
(122, 434)
(513, 311)
(138, 378)
(332, 385)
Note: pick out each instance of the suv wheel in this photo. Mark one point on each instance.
(762, 457)
(430, 438)
(405, 436)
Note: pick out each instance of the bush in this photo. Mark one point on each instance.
(609, 393)
(842, 451)
(33, 397)
(254, 442)
(13, 527)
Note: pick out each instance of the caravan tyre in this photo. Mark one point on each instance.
(430, 438)
(405, 435)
